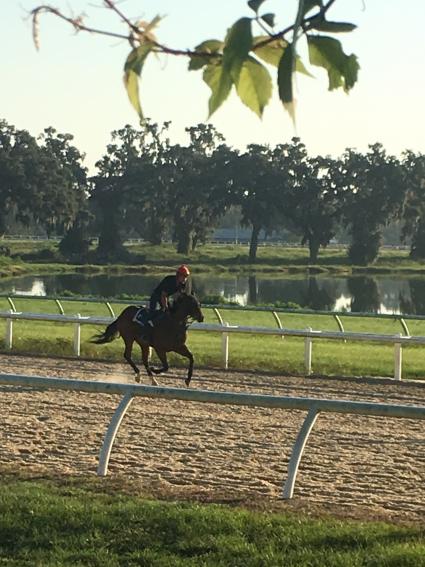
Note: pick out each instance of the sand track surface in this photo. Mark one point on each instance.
(353, 465)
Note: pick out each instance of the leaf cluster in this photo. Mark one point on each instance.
(242, 60)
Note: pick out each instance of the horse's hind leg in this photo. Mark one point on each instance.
(184, 351)
(145, 359)
(127, 356)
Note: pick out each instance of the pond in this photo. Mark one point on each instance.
(396, 294)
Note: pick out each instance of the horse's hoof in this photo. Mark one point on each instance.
(187, 382)
(137, 377)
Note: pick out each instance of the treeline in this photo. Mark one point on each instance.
(149, 187)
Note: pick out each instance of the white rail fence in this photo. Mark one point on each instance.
(276, 312)
(313, 406)
(225, 329)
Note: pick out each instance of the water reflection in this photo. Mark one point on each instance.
(361, 293)
(252, 290)
(364, 294)
(414, 302)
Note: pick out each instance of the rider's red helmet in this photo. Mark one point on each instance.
(184, 270)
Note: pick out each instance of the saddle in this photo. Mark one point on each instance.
(141, 316)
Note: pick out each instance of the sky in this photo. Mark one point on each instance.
(74, 82)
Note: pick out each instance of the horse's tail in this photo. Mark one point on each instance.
(109, 334)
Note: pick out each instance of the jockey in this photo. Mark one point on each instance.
(167, 287)
(170, 285)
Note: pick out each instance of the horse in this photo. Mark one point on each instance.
(168, 334)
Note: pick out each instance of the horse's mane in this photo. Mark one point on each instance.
(181, 298)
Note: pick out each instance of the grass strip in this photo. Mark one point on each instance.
(51, 524)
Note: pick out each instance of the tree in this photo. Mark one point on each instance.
(237, 61)
(36, 183)
(414, 211)
(76, 242)
(155, 189)
(128, 189)
(144, 180)
(70, 192)
(372, 186)
(197, 185)
(257, 191)
(106, 203)
(312, 204)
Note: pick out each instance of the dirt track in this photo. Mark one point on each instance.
(353, 465)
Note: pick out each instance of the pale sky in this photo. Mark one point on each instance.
(74, 83)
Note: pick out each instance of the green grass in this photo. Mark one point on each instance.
(52, 524)
(252, 352)
(246, 351)
(217, 258)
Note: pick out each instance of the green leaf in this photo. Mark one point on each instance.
(220, 83)
(255, 5)
(271, 52)
(327, 52)
(254, 86)
(269, 19)
(310, 4)
(132, 71)
(221, 77)
(238, 45)
(208, 46)
(284, 80)
(300, 68)
(333, 27)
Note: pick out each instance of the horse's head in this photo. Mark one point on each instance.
(187, 306)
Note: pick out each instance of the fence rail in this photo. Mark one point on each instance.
(313, 406)
(225, 329)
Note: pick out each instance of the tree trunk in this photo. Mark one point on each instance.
(194, 242)
(313, 246)
(154, 231)
(253, 245)
(417, 249)
(184, 241)
(110, 246)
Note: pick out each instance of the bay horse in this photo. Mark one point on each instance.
(168, 334)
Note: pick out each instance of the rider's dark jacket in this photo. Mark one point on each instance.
(170, 286)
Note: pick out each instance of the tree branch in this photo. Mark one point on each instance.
(78, 24)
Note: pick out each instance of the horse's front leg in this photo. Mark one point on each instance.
(162, 355)
(145, 359)
(184, 351)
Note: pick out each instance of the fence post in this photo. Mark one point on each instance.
(105, 452)
(218, 315)
(59, 304)
(12, 305)
(308, 344)
(9, 332)
(297, 452)
(225, 347)
(279, 324)
(77, 338)
(111, 311)
(398, 359)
